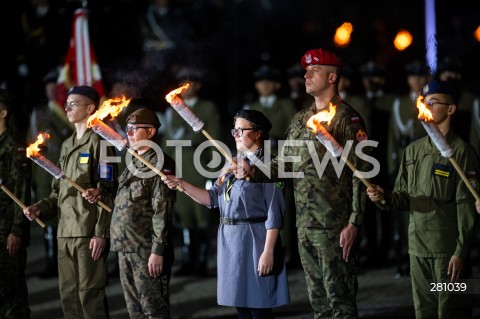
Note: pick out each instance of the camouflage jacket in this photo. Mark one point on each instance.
(142, 217)
(14, 171)
(81, 161)
(324, 200)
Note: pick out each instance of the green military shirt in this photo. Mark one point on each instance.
(81, 161)
(178, 129)
(142, 218)
(323, 199)
(192, 214)
(403, 129)
(280, 113)
(13, 178)
(442, 209)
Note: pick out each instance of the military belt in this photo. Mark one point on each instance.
(241, 221)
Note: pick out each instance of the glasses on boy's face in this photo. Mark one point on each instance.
(238, 132)
(134, 129)
(434, 103)
(73, 105)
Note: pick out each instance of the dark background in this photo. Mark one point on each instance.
(229, 39)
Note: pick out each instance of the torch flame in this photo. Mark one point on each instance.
(424, 113)
(111, 107)
(169, 96)
(322, 116)
(33, 150)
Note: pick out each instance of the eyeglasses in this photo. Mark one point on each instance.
(239, 131)
(134, 129)
(72, 105)
(433, 103)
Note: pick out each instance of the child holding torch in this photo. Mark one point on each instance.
(141, 228)
(442, 209)
(83, 226)
(251, 216)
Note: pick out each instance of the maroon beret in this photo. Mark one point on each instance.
(320, 56)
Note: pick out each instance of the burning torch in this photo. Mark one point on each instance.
(329, 142)
(113, 107)
(186, 113)
(33, 153)
(440, 142)
(18, 201)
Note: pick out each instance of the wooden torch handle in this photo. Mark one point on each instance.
(19, 203)
(82, 190)
(153, 168)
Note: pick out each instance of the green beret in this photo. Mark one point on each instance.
(143, 116)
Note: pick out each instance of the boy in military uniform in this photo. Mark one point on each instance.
(83, 226)
(142, 223)
(442, 210)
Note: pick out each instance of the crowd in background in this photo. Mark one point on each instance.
(146, 42)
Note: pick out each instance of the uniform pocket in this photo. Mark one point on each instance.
(442, 182)
(139, 191)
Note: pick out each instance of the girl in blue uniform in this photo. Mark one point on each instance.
(251, 269)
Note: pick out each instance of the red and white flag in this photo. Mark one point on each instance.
(80, 67)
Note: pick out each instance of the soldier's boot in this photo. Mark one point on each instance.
(187, 267)
(202, 254)
(50, 240)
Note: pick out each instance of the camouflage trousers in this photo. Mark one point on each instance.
(440, 304)
(331, 282)
(146, 297)
(13, 286)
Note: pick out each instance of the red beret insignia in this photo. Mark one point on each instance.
(362, 135)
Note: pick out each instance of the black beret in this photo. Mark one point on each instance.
(257, 118)
(189, 74)
(51, 76)
(442, 87)
(267, 73)
(417, 68)
(450, 64)
(87, 91)
(372, 69)
(296, 70)
(143, 116)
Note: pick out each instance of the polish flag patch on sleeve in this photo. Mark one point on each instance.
(355, 119)
(167, 171)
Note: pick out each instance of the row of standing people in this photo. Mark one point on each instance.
(94, 195)
(399, 127)
(331, 210)
(141, 224)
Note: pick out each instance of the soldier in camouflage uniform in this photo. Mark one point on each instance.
(83, 226)
(142, 224)
(14, 232)
(329, 207)
(442, 210)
